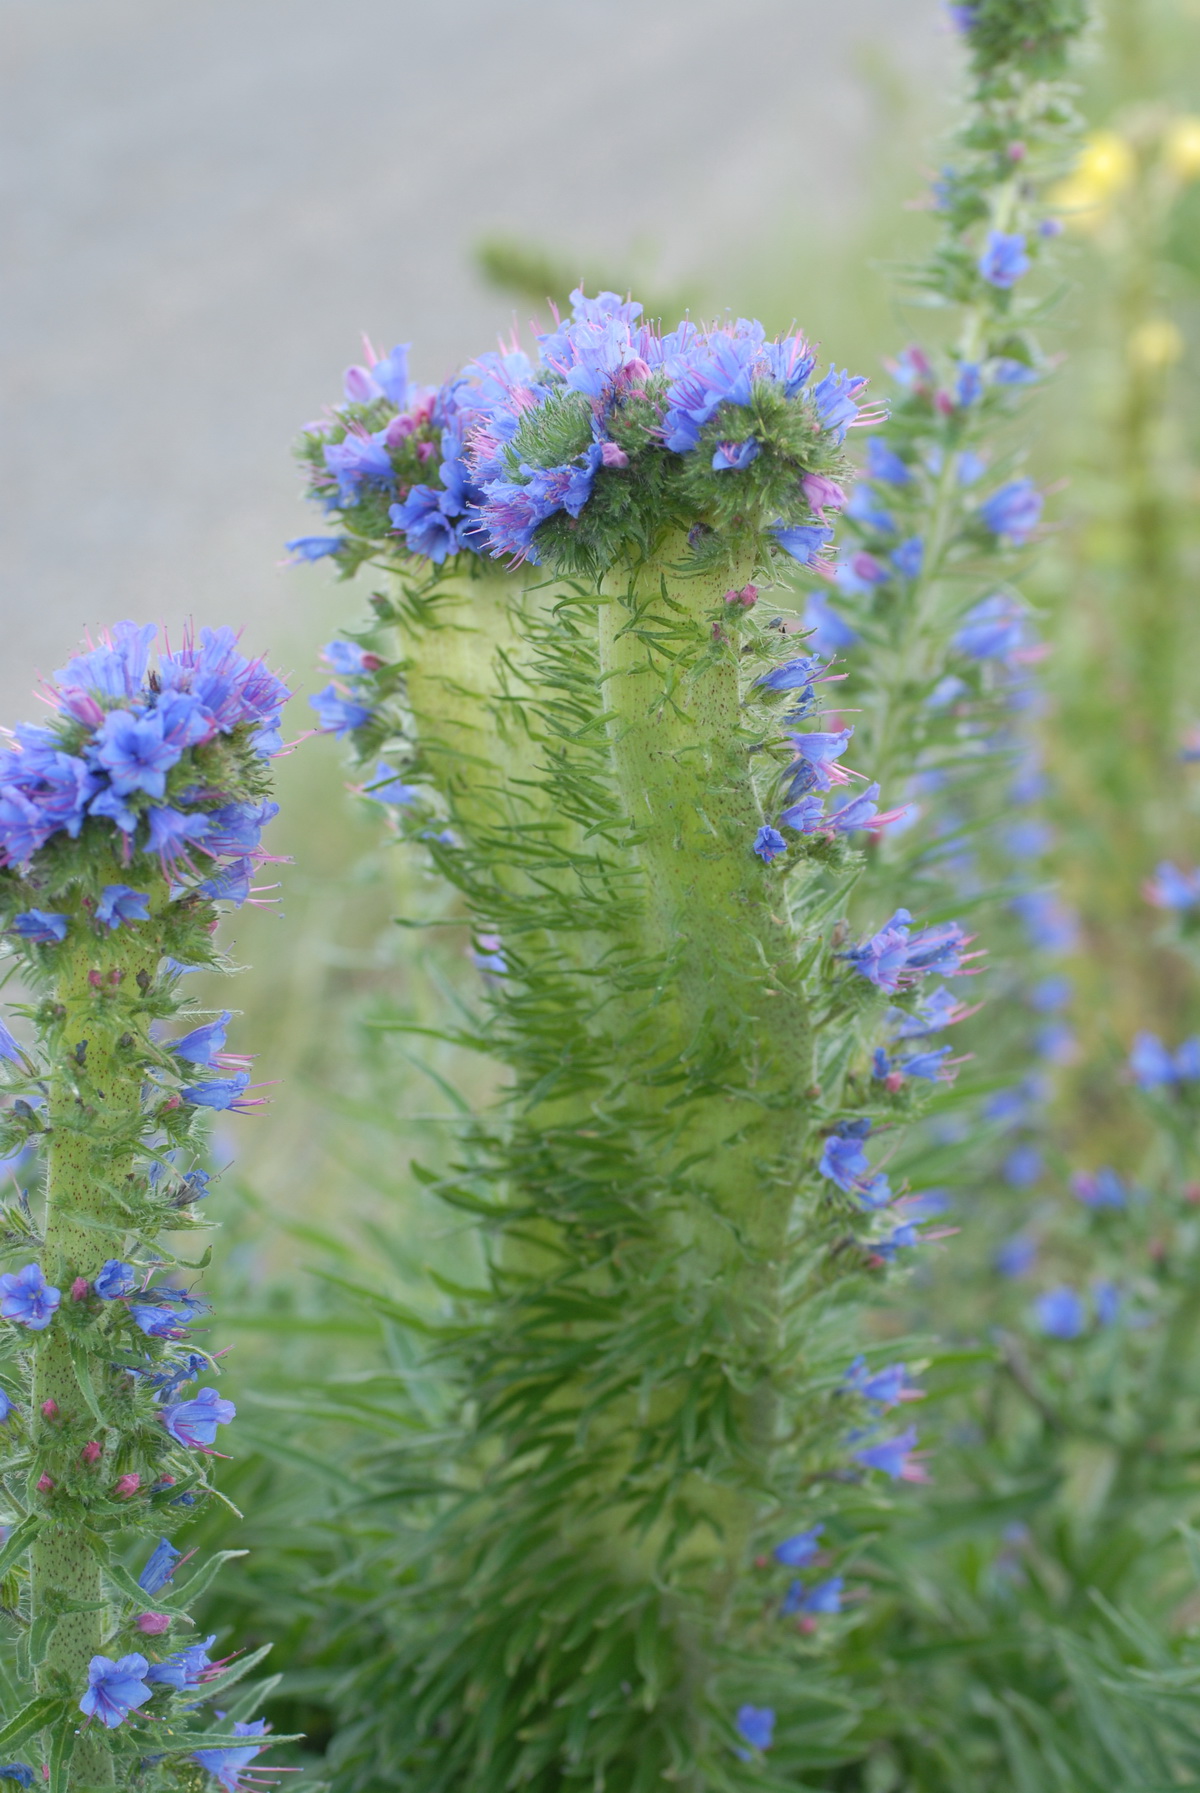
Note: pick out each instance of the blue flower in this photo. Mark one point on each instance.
(806, 816)
(115, 1689)
(834, 398)
(909, 557)
(803, 541)
(427, 528)
(184, 1669)
(757, 1725)
(226, 1765)
(16, 1771)
(357, 461)
(1100, 1189)
(1016, 1256)
(895, 957)
(1050, 994)
(969, 384)
(885, 465)
(1151, 1064)
(9, 1048)
(865, 509)
(218, 1092)
(886, 1387)
(993, 629)
(202, 1044)
(230, 885)
(115, 1279)
(1022, 1166)
(824, 1597)
(1007, 372)
(339, 715)
(160, 1567)
(827, 630)
(769, 844)
(171, 832)
(1171, 888)
(135, 753)
(1013, 511)
(718, 371)
(1060, 1313)
(1004, 258)
(120, 902)
(1109, 1301)
(41, 926)
(894, 1457)
(861, 573)
(1049, 924)
(815, 765)
(800, 1549)
(735, 455)
(194, 1423)
(861, 811)
(313, 547)
(27, 1298)
(158, 1322)
(237, 827)
(845, 1163)
(792, 675)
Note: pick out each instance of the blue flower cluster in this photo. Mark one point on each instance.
(465, 467)
(137, 750)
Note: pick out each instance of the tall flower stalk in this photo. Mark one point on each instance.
(127, 822)
(662, 1403)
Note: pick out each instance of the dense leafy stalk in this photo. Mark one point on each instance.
(656, 1379)
(125, 824)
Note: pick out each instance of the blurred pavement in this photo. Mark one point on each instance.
(205, 201)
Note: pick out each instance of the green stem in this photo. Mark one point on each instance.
(95, 1096)
(714, 915)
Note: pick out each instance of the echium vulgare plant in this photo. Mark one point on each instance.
(659, 1406)
(126, 821)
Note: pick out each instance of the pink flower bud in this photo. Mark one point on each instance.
(49, 1409)
(807, 1625)
(1017, 151)
(94, 979)
(79, 1288)
(90, 1452)
(173, 1101)
(894, 1081)
(167, 1481)
(153, 1624)
(613, 455)
(126, 1485)
(45, 1484)
(749, 596)
(944, 403)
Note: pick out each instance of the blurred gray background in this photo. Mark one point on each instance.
(206, 201)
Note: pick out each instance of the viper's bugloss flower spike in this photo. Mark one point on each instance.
(124, 822)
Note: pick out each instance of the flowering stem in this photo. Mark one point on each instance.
(94, 1113)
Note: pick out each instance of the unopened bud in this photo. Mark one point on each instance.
(807, 1625)
(90, 1451)
(49, 1409)
(893, 1081)
(45, 1484)
(1017, 151)
(95, 979)
(173, 1101)
(79, 1288)
(153, 1624)
(126, 1485)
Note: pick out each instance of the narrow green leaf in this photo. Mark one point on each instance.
(183, 1746)
(33, 1717)
(61, 1750)
(83, 1375)
(20, 1541)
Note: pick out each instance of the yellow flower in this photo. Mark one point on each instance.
(1106, 165)
(1156, 344)
(1181, 147)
